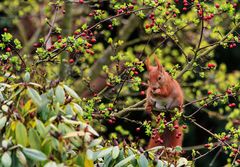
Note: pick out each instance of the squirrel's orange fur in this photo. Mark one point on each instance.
(163, 91)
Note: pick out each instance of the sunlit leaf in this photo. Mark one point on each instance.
(21, 134)
(60, 94)
(125, 161)
(34, 154)
(34, 95)
(6, 159)
(34, 139)
(115, 152)
(71, 92)
(142, 161)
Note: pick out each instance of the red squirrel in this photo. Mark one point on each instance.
(163, 89)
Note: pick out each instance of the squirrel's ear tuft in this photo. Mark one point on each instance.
(160, 67)
(148, 64)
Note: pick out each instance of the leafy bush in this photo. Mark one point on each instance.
(72, 85)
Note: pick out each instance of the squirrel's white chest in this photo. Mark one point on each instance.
(162, 102)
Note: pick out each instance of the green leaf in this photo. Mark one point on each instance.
(95, 142)
(21, 134)
(60, 94)
(51, 164)
(21, 157)
(34, 95)
(34, 154)
(77, 108)
(3, 120)
(125, 161)
(104, 152)
(71, 92)
(142, 161)
(34, 139)
(26, 77)
(6, 159)
(115, 152)
(160, 164)
(41, 128)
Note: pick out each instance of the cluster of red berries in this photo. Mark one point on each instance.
(232, 45)
(111, 120)
(211, 65)
(232, 105)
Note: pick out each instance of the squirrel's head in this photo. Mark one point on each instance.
(156, 74)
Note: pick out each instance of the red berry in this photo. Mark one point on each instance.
(8, 49)
(131, 7)
(110, 121)
(93, 40)
(142, 93)
(206, 145)
(59, 37)
(147, 26)
(184, 9)
(217, 5)
(232, 105)
(234, 5)
(110, 26)
(184, 126)
(135, 72)
(138, 129)
(83, 34)
(176, 126)
(63, 45)
(5, 29)
(238, 161)
(228, 91)
(209, 92)
(71, 61)
(210, 65)
(110, 109)
(76, 32)
(81, 1)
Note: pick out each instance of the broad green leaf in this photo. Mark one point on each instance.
(6, 159)
(21, 134)
(142, 161)
(41, 128)
(83, 125)
(104, 152)
(115, 152)
(26, 77)
(34, 139)
(107, 160)
(95, 142)
(21, 157)
(90, 154)
(3, 120)
(77, 108)
(125, 161)
(51, 164)
(60, 94)
(34, 154)
(71, 92)
(34, 95)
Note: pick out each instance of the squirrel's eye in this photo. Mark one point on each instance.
(159, 78)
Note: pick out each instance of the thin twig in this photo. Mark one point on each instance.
(52, 25)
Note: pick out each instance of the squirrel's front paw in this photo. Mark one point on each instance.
(156, 92)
